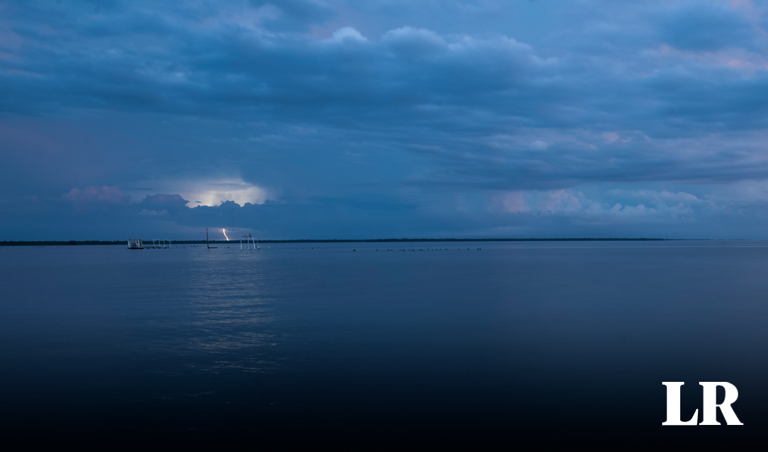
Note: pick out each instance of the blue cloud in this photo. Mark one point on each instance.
(379, 114)
(708, 25)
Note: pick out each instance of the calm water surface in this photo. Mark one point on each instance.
(519, 338)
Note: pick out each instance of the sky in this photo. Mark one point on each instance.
(332, 119)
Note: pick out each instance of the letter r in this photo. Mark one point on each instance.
(710, 405)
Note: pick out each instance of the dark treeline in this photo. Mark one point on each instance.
(198, 242)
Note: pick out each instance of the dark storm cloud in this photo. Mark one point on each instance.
(163, 203)
(292, 15)
(708, 25)
(343, 110)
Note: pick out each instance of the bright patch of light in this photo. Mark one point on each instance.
(224, 231)
(213, 193)
(204, 192)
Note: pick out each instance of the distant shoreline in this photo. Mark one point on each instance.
(198, 242)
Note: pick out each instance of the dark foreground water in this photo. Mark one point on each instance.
(545, 341)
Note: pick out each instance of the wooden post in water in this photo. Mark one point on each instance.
(208, 243)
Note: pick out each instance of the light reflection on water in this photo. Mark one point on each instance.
(179, 338)
(224, 311)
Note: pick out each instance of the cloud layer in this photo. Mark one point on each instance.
(309, 118)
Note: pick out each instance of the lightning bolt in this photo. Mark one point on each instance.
(224, 231)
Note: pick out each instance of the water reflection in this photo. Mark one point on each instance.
(517, 334)
(229, 314)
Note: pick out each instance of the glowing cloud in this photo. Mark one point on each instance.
(206, 192)
(213, 193)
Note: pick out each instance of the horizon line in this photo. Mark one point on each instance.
(496, 239)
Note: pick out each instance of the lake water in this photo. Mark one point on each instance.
(564, 341)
